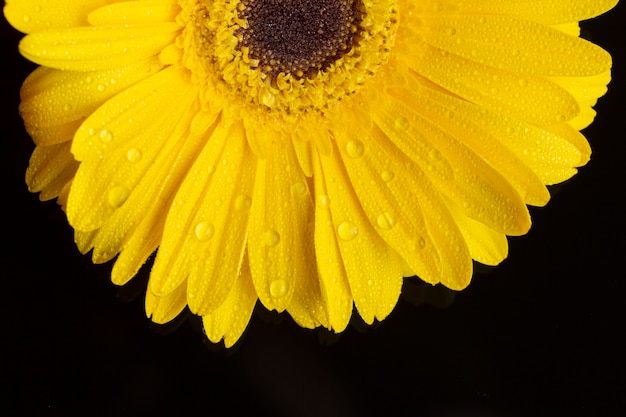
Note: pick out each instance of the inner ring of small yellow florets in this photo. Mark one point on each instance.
(287, 57)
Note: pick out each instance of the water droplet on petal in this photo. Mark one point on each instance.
(243, 203)
(402, 123)
(355, 148)
(279, 288)
(204, 231)
(347, 231)
(387, 176)
(133, 155)
(271, 238)
(323, 200)
(67, 107)
(298, 189)
(435, 154)
(106, 135)
(386, 221)
(118, 196)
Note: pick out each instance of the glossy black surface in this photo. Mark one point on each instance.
(541, 335)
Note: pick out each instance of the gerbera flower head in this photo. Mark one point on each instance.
(305, 153)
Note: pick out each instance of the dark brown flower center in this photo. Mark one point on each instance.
(298, 37)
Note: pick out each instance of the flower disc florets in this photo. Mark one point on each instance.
(287, 57)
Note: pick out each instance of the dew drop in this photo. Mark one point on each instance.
(271, 238)
(298, 189)
(204, 231)
(419, 243)
(402, 123)
(386, 221)
(243, 203)
(370, 282)
(67, 107)
(106, 135)
(26, 19)
(387, 176)
(435, 155)
(133, 155)
(101, 87)
(210, 169)
(118, 196)
(279, 288)
(347, 231)
(355, 148)
(323, 200)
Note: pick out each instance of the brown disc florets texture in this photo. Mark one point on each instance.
(298, 37)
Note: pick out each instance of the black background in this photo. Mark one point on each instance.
(542, 334)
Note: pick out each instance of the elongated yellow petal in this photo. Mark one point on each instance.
(104, 184)
(514, 45)
(374, 270)
(543, 11)
(230, 319)
(485, 245)
(164, 308)
(52, 97)
(457, 117)
(97, 48)
(392, 209)
(333, 279)
(50, 169)
(280, 238)
(36, 15)
(211, 225)
(484, 194)
(125, 117)
(158, 176)
(529, 98)
(159, 185)
(129, 12)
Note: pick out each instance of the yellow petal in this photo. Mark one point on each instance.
(543, 11)
(102, 185)
(230, 319)
(550, 156)
(52, 97)
(374, 270)
(129, 12)
(126, 116)
(97, 48)
(212, 225)
(29, 16)
(514, 45)
(458, 118)
(159, 185)
(480, 190)
(188, 232)
(586, 90)
(164, 308)
(280, 237)
(530, 98)
(391, 208)
(50, 169)
(485, 245)
(333, 280)
(159, 175)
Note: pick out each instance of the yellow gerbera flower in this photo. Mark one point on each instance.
(308, 153)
